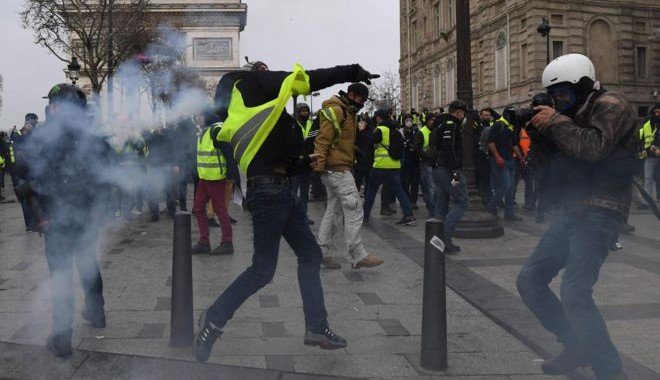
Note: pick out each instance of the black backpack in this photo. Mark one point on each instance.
(395, 150)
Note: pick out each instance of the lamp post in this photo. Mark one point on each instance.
(74, 70)
(311, 101)
(476, 223)
(544, 30)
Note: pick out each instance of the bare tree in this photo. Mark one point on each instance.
(385, 91)
(86, 29)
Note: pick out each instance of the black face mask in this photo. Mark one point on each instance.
(356, 106)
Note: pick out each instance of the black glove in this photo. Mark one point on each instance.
(365, 76)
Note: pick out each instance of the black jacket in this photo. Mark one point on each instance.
(284, 146)
(447, 140)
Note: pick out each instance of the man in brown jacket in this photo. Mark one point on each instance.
(335, 148)
(592, 172)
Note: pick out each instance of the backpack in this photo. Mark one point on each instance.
(396, 147)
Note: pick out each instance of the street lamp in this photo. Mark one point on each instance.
(544, 30)
(311, 101)
(74, 70)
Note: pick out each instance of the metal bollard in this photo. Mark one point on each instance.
(181, 322)
(434, 302)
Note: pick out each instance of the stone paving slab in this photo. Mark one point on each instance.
(378, 310)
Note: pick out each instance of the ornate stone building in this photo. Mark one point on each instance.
(212, 29)
(508, 54)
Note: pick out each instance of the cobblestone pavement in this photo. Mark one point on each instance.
(491, 334)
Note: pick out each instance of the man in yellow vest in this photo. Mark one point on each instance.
(268, 146)
(214, 162)
(335, 144)
(649, 133)
(387, 168)
(421, 146)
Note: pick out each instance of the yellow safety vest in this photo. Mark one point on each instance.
(305, 128)
(505, 122)
(248, 127)
(647, 134)
(426, 133)
(12, 158)
(2, 162)
(382, 159)
(211, 165)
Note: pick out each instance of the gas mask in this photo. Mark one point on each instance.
(409, 123)
(564, 97)
(355, 105)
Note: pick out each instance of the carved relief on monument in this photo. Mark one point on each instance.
(212, 49)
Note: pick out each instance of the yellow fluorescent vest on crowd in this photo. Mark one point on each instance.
(211, 164)
(426, 133)
(505, 122)
(647, 134)
(246, 128)
(382, 159)
(305, 128)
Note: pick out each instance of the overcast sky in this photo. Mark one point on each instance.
(314, 33)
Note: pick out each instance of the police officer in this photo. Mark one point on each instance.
(594, 131)
(63, 171)
(267, 144)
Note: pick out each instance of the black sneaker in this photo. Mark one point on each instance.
(154, 218)
(97, 319)
(225, 248)
(565, 362)
(450, 247)
(310, 222)
(213, 223)
(324, 338)
(199, 248)
(60, 344)
(407, 221)
(205, 338)
(231, 220)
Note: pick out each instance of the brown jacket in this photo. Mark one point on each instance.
(592, 136)
(337, 152)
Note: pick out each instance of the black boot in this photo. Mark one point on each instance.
(94, 315)
(567, 361)
(324, 338)
(60, 344)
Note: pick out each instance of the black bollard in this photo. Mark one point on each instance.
(434, 302)
(181, 322)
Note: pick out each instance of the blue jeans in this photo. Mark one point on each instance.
(446, 192)
(300, 185)
(276, 213)
(504, 185)
(428, 186)
(390, 178)
(577, 241)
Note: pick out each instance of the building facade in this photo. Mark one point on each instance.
(508, 54)
(211, 29)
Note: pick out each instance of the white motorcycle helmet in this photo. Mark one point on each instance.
(569, 68)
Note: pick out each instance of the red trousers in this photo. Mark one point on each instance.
(215, 191)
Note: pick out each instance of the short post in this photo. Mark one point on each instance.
(181, 322)
(434, 302)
